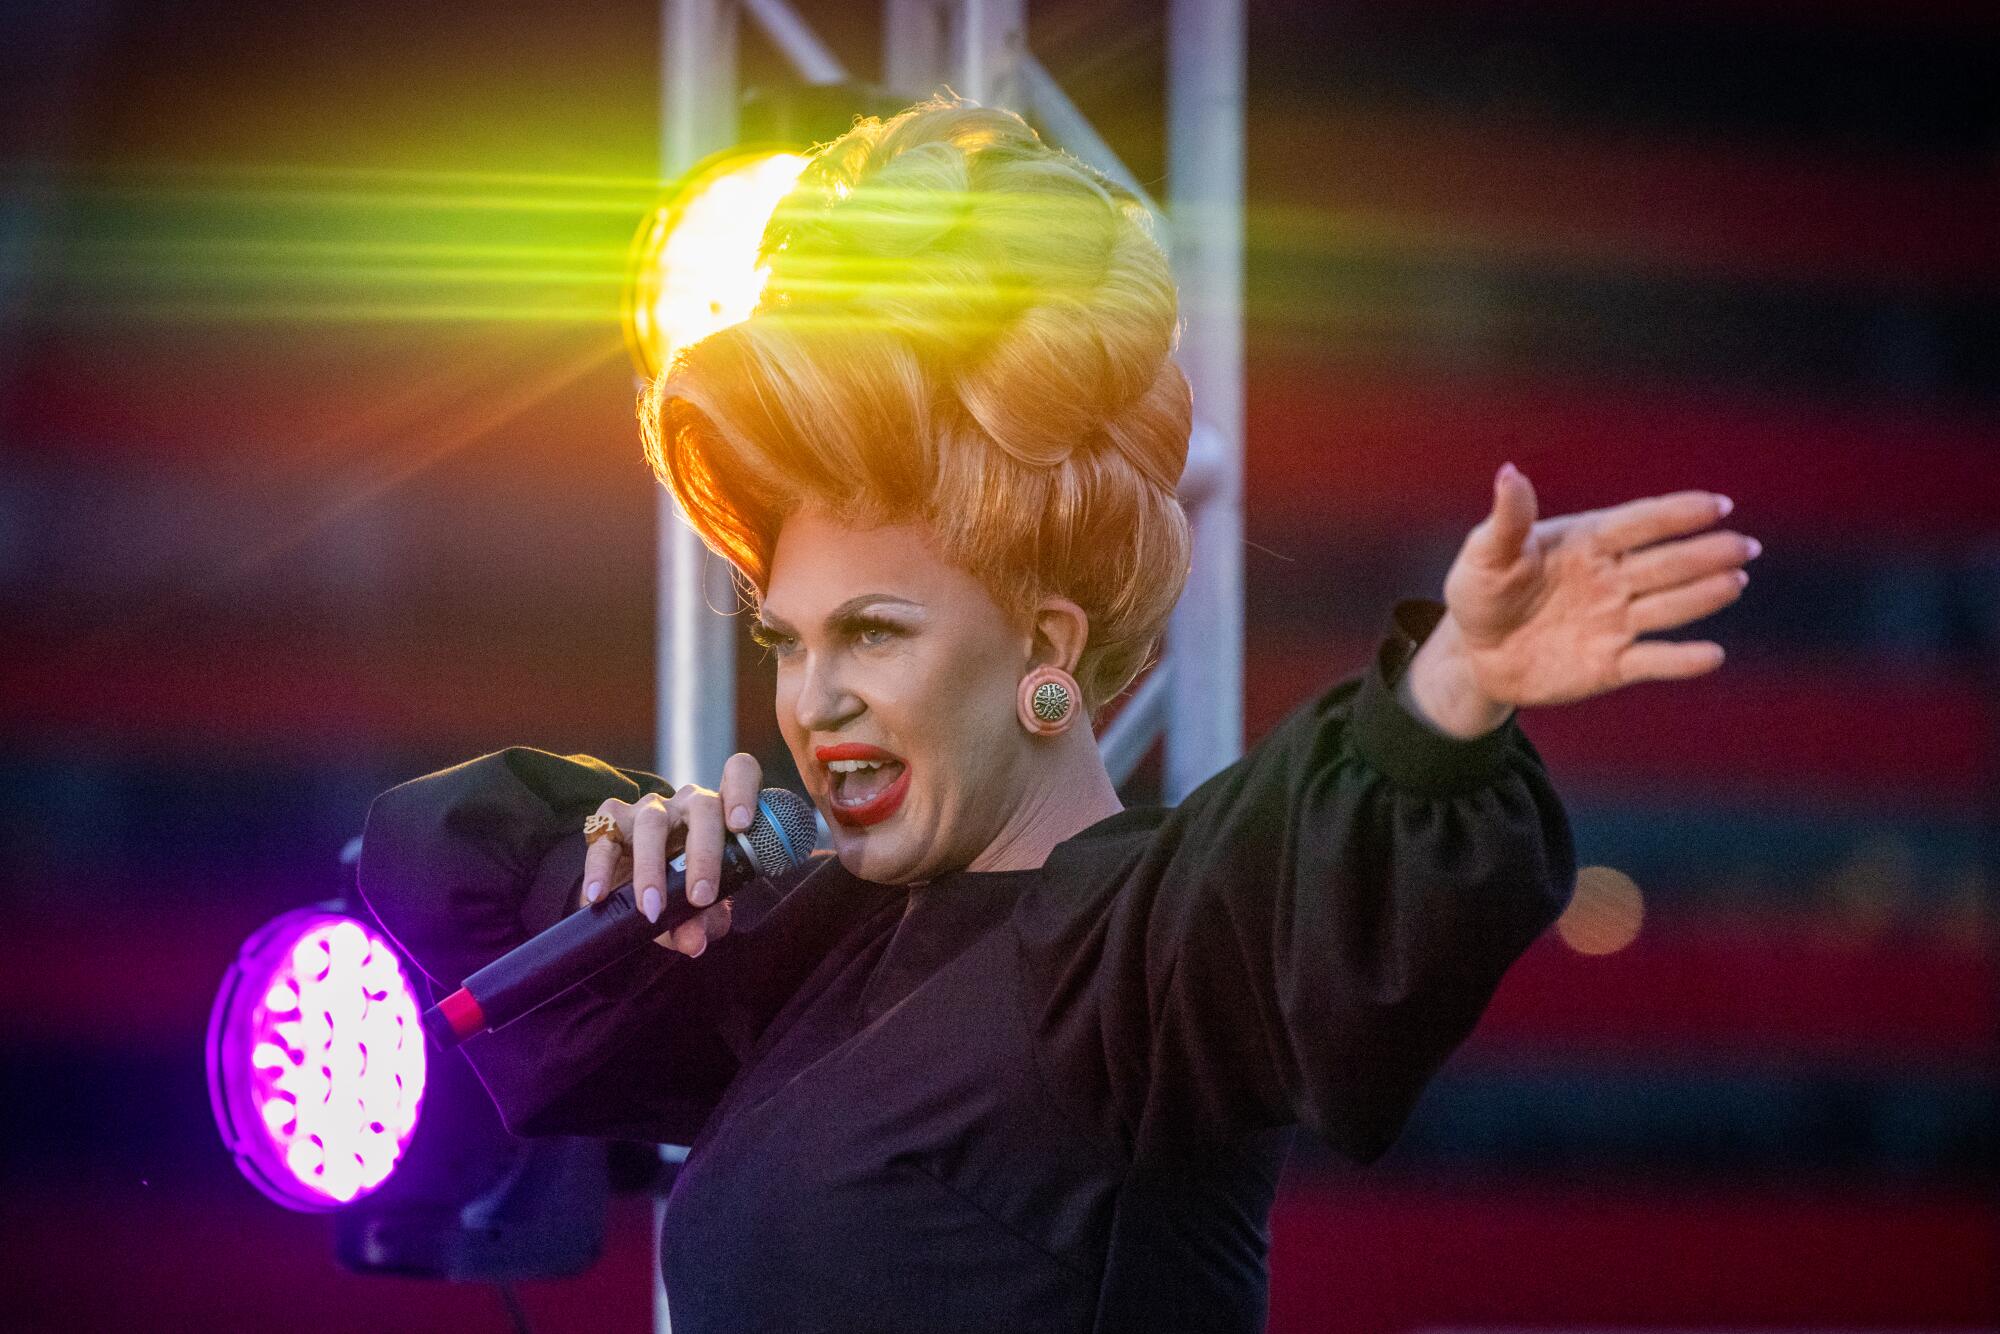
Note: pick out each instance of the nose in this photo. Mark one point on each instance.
(823, 702)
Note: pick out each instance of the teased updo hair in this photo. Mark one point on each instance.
(964, 329)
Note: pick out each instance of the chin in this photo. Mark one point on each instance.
(871, 854)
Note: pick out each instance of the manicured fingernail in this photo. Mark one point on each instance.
(740, 818)
(1725, 503)
(703, 950)
(1756, 549)
(704, 893)
(594, 892)
(649, 903)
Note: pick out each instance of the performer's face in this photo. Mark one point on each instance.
(879, 641)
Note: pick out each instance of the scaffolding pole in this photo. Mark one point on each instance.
(695, 652)
(1204, 712)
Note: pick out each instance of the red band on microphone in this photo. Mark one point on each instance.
(461, 1010)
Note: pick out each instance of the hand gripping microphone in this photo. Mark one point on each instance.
(782, 835)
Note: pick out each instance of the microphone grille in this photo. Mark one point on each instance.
(784, 832)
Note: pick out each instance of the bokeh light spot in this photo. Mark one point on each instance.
(1605, 913)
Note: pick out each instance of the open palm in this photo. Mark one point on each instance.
(1551, 612)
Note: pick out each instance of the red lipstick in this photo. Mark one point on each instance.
(853, 750)
(884, 803)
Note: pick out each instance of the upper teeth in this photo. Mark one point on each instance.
(850, 766)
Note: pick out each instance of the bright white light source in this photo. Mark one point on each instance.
(316, 1060)
(695, 265)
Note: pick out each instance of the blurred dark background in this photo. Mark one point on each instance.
(320, 472)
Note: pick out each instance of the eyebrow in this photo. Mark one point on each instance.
(840, 616)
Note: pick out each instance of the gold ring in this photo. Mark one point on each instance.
(602, 826)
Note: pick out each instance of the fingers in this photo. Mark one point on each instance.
(742, 777)
(1667, 660)
(701, 813)
(656, 826)
(597, 884)
(1639, 523)
(695, 934)
(1672, 563)
(1500, 537)
(601, 858)
(1686, 602)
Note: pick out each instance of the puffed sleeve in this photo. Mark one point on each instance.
(462, 865)
(1311, 933)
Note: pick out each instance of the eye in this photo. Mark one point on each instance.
(770, 639)
(874, 634)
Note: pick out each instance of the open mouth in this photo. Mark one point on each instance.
(865, 784)
(856, 783)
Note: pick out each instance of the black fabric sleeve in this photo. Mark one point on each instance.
(1312, 932)
(462, 865)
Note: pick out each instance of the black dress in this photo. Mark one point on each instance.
(1053, 1099)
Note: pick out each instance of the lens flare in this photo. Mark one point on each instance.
(316, 1060)
(694, 265)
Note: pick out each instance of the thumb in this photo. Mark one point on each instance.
(1513, 516)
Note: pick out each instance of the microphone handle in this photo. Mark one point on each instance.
(587, 940)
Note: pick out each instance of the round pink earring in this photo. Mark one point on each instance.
(1049, 698)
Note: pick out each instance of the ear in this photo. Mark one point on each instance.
(1059, 631)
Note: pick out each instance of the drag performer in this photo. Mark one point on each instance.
(1015, 1057)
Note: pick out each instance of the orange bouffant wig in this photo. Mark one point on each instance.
(964, 329)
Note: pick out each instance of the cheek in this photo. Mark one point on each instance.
(968, 712)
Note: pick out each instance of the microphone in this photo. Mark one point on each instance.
(781, 836)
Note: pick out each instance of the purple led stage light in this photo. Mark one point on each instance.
(316, 1060)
